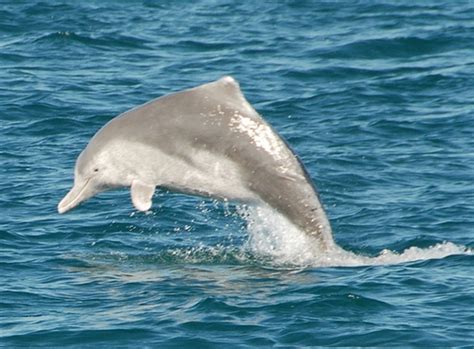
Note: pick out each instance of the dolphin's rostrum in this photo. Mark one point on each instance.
(206, 141)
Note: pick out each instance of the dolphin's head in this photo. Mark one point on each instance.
(94, 173)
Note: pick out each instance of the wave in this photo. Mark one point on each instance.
(273, 242)
(104, 41)
(271, 235)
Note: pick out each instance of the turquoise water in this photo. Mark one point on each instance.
(376, 98)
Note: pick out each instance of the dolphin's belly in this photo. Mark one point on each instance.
(202, 172)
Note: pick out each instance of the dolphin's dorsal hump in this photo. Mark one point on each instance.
(227, 91)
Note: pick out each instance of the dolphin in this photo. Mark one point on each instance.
(206, 141)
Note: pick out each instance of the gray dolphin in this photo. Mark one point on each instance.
(206, 141)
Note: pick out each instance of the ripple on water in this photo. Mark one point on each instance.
(376, 98)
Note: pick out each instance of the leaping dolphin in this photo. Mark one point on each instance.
(206, 141)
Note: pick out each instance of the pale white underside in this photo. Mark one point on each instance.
(197, 172)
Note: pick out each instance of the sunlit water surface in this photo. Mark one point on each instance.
(377, 99)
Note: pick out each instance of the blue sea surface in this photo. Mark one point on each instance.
(377, 98)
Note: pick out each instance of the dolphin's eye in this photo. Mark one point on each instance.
(96, 170)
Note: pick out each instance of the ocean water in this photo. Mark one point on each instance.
(377, 98)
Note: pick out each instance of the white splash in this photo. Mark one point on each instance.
(271, 235)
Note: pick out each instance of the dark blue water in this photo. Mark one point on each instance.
(376, 98)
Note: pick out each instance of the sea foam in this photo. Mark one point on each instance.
(272, 235)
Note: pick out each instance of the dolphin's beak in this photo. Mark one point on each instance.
(79, 193)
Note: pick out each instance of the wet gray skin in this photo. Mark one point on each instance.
(206, 141)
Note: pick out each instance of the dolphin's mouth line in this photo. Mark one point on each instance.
(75, 201)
